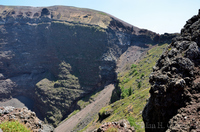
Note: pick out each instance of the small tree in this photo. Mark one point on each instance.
(130, 91)
(139, 84)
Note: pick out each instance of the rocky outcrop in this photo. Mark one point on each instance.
(57, 55)
(25, 116)
(120, 126)
(174, 102)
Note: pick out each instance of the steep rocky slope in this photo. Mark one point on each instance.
(174, 102)
(56, 55)
(131, 93)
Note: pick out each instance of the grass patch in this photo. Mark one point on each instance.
(102, 13)
(112, 129)
(133, 123)
(13, 126)
(138, 74)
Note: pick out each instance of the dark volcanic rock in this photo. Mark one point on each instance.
(45, 11)
(174, 100)
(57, 55)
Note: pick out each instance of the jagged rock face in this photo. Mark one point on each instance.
(175, 91)
(57, 55)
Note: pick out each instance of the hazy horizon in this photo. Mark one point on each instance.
(166, 16)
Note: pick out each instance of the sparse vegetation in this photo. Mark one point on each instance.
(13, 126)
(88, 99)
(134, 85)
(142, 75)
(126, 80)
(112, 129)
(133, 66)
(133, 122)
(136, 72)
(102, 13)
(126, 92)
(139, 73)
(139, 84)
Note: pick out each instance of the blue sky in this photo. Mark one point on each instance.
(157, 15)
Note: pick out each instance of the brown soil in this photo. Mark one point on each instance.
(92, 109)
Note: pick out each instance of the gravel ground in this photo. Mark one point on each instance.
(84, 116)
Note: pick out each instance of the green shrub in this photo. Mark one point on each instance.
(133, 66)
(136, 73)
(13, 126)
(142, 75)
(130, 91)
(132, 72)
(139, 84)
(126, 92)
(126, 80)
(133, 122)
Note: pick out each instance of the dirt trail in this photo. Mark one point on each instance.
(100, 101)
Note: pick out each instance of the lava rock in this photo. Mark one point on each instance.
(174, 84)
(120, 126)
